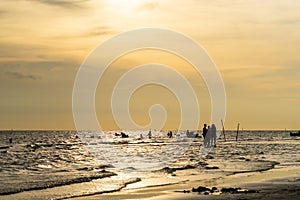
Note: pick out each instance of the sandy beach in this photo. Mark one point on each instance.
(278, 184)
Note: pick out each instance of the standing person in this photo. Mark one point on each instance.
(149, 134)
(170, 134)
(213, 135)
(204, 131)
(207, 138)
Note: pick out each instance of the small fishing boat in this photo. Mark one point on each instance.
(295, 133)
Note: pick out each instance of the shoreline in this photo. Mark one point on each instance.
(276, 183)
(42, 158)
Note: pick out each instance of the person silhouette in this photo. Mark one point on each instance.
(207, 137)
(170, 134)
(213, 137)
(149, 135)
(204, 130)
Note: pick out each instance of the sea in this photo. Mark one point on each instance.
(65, 164)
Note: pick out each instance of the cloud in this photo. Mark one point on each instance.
(263, 82)
(63, 3)
(99, 30)
(93, 32)
(19, 75)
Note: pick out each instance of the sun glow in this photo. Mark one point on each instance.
(124, 6)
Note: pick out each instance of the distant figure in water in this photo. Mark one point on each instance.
(187, 133)
(10, 140)
(170, 134)
(123, 135)
(211, 136)
(141, 136)
(149, 134)
(206, 141)
(213, 139)
(204, 131)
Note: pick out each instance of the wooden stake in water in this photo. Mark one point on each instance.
(223, 131)
(237, 132)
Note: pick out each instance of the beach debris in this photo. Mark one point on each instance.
(84, 169)
(130, 168)
(237, 190)
(211, 167)
(104, 166)
(230, 190)
(200, 189)
(168, 170)
(243, 158)
(173, 169)
(214, 190)
(202, 164)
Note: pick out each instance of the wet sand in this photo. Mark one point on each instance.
(278, 183)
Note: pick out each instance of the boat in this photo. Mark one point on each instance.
(295, 133)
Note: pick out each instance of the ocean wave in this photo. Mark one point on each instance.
(39, 184)
(98, 186)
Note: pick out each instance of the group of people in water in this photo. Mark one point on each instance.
(209, 134)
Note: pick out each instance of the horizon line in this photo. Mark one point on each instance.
(146, 130)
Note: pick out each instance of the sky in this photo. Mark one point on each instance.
(254, 44)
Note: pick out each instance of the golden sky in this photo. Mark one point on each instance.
(255, 45)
